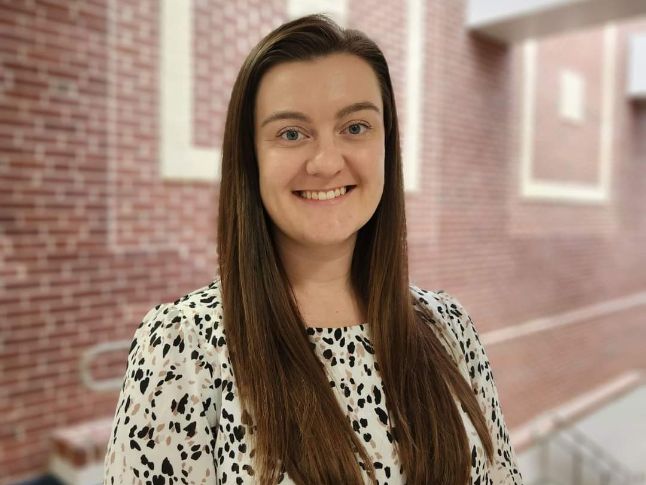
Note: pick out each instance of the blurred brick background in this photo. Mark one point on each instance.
(92, 235)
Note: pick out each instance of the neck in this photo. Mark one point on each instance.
(320, 277)
(313, 270)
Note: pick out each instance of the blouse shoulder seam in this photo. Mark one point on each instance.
(176, 308)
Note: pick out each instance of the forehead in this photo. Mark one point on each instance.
(318, 86)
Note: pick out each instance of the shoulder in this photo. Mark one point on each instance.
(444, 307)
(171, 393)
(452, 324)
(458, 333)
(203, 305)
(191, 322)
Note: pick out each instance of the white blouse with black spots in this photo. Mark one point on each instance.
(178, 416)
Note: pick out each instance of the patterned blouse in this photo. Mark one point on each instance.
(178, 417)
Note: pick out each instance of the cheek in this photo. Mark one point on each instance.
(281, 161)
(264, 179)
(274, 174)
(373, 163)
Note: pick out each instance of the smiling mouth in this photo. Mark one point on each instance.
(301, 194)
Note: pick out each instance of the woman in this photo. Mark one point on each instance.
(311, 359)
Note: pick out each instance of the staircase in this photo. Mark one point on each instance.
(568, 457)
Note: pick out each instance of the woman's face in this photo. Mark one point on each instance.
(319, 127)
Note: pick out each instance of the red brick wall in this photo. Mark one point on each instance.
(565, 151)
(509, 259)
(91, 236)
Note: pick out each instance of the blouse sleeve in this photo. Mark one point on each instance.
(165, 425)
(504, 469)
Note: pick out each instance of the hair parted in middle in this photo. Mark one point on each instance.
(292, 414)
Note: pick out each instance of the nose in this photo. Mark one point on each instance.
(327, 159)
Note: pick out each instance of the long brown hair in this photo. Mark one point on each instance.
(292, 413)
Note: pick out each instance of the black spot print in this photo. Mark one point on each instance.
(179, 417)
(383, 417)
(167, 468)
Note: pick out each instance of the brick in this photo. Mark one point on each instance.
(91, 237)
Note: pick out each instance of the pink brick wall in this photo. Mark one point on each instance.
(91, 236)
(565, 151)
(509, 259)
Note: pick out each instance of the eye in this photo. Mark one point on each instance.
(292, 134)
(355, 128)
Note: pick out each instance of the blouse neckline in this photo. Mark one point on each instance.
(313, 330)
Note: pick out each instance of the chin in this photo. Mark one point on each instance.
(328, 241)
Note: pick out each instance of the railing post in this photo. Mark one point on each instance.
(576, 468)
(585, 455)
(544, 458)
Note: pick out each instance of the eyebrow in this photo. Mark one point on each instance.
(297, 115)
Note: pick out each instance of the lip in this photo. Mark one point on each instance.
(336, 200)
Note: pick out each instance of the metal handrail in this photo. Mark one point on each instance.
(579, 445)
(583, 449)
(600, 453)
(86, 358)
(607, 471)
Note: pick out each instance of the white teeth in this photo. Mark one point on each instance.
(331, 194)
